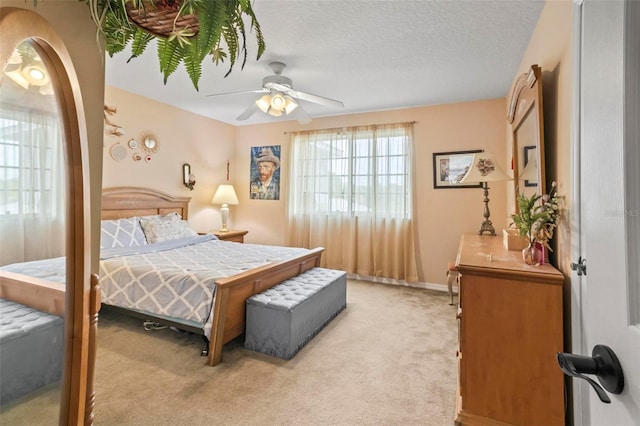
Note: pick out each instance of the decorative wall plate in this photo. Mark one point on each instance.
(150, 144)
(133, 144)
(118, 152)
(137, 156)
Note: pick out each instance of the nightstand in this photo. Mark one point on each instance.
(231, 235)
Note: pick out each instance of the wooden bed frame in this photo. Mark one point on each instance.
(231, 292)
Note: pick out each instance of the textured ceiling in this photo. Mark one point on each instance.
(371, 55)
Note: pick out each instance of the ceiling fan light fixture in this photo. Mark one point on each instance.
(278, 102)
(17, 77)
(275, 112)
(290, 105)
(36, 73)
(264, 103)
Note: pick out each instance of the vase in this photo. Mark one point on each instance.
(532, 254)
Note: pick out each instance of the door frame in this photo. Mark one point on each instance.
(577, 338)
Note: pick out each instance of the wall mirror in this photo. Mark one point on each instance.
(150, 143)
(43, 156)
(527, 125)
(32, 202)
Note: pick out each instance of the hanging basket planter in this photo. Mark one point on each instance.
(187, 31)
(162, 17)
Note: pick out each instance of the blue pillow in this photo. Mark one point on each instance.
(122, 233)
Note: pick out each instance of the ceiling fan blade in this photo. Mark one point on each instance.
(248, 112)
(305, 96)
(319, 99)
(301, 115)
(238, 93)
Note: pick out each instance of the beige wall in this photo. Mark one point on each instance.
(551, 48)
(182, 137)
(443, 214)
(206, 144)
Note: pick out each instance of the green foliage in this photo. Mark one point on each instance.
(169, 55)
(537, 216)
(221, 32)
(140, 41)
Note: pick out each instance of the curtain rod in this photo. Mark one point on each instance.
(361, 125)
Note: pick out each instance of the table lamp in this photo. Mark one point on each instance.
(483, 169)
(225, 195)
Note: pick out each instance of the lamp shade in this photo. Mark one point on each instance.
(530, 172)
(484, 168)
(225, 194)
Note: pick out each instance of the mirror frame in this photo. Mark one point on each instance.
(526, 100)
(82, 297)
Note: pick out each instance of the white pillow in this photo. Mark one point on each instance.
(121, 233)
(163, 228)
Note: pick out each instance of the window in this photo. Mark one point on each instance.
(30, 156)
(32, 168)
(356, 171)
(350, 192)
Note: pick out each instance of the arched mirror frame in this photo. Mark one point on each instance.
(525, 105)
(81, 298)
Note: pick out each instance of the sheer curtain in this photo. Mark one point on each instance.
(32, 185)
(351, 193)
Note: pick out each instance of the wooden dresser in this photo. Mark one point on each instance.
(510, 329)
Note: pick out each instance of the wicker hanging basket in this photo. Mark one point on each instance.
(160, 17)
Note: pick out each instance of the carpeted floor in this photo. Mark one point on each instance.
(387, 359)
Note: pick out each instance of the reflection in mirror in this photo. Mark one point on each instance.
(32, 225)
(525, 116)
(526, 146)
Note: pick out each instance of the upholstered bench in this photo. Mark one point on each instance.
(31, 349)
(282, 319)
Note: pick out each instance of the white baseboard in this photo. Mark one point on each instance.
(430, 286)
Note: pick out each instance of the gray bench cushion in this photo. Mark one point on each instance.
(31, 349)
(282, 319)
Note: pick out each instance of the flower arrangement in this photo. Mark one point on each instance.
(537, 221)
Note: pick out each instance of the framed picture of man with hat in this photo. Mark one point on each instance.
(265, 173)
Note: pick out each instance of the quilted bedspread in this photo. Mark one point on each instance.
(174, 279)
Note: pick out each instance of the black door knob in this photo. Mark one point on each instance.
(603, 364)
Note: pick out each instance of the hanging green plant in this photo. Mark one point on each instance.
(187, 31)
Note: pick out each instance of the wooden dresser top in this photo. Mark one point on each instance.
(473, 257)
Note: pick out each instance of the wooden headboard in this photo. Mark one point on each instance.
(128, 201)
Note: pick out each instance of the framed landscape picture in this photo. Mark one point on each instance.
(450, 167)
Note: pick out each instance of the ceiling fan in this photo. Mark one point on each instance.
(280, 98)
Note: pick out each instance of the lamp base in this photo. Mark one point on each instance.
(224, 212)
(487, 226)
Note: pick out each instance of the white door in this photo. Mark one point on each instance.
(610, 203)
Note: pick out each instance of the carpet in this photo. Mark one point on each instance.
(387, 359)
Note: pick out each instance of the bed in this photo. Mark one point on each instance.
(228, 310)
(229, 290)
